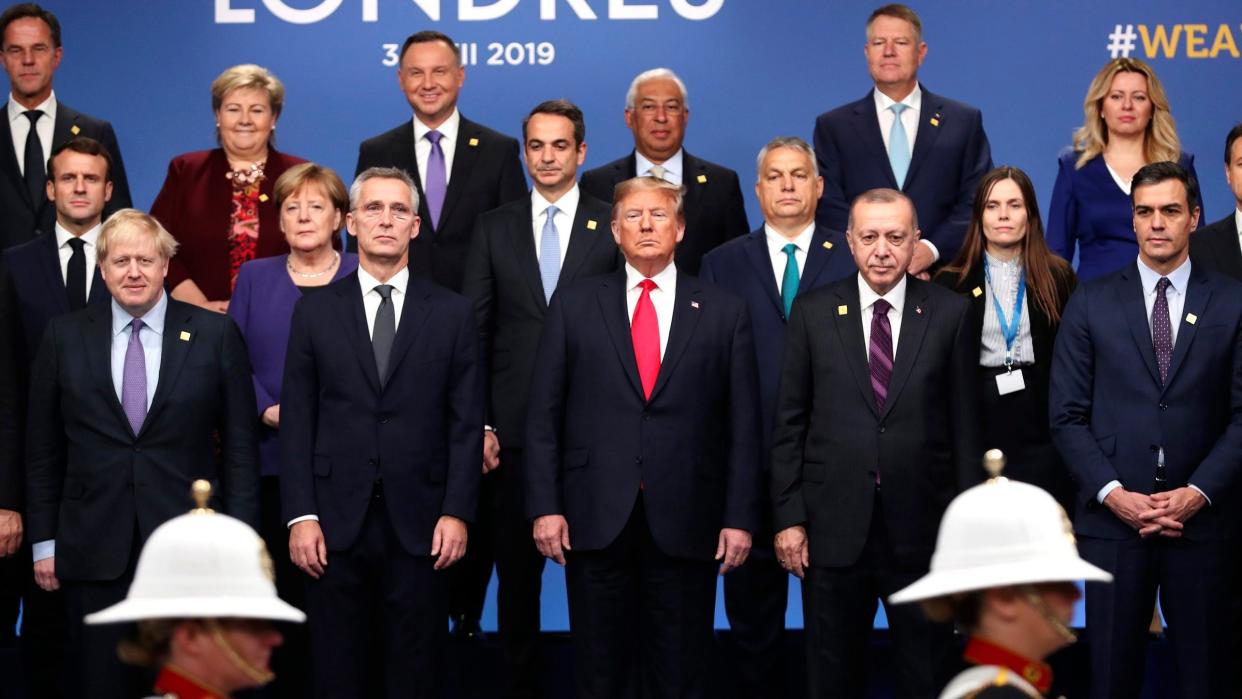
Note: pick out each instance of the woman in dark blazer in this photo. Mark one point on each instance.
(312, 202)
(1127, 125)
(1004, 264)
(218, 203)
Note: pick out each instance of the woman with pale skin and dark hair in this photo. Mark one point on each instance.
(1127, 124)
(1017, 289)
(218, 203)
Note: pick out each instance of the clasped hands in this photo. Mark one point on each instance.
(1159, 514)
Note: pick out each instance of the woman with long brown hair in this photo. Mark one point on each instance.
(1017, 288)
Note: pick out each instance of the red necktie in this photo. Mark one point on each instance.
(645, 333)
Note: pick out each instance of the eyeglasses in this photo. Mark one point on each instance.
(670, 108)
(375, 209)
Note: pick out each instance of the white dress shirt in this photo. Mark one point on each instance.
(19, 126)
(663, 297)
(88, 250)
(673, 167)
(448, 144)
(567, 208)
(1237, 224)
(867, 297)
(152, 339)
(1005, 278)
(371, 298)
(909, 118)
(776, 251)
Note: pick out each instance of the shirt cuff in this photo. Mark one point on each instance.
(303, 518)
(934, 250)
(42, 550)
(1108, 488)
(1205, 495)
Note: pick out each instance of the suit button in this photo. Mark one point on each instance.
(370, 462)
(638, 460)
(383, 420)
(137, 449)
(1164, 406)
(881, 429)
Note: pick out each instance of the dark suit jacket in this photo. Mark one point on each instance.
(91, 481)
(1109, 412)
(12, 408)
(830, 439)
(195, 205)
(715, 211)
(420, 434)
(592, 441)
(1216, 247)
(487, 172)
(951, 154)
(23, 217)
(744, 267)
(262, 307)
(502, 279)
(39, 288)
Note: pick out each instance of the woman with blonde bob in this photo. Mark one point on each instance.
(1127, 124)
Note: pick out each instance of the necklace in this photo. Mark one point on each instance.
(312, 275)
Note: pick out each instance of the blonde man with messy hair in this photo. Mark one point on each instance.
(126, 225)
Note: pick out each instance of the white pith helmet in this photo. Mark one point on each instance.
(201, 565)
(1001, 533)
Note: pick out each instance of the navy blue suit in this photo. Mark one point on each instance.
(951, 154)
(1109, 416)
(646, 485)
(379, 465)
(756, 594)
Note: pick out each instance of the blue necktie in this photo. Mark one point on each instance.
(789, 285)
(899, 145)
(549, 254)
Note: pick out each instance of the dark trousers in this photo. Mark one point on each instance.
(839, 606)
(470, 576)
(1195, 583)
(519, 572)
(377, 618)
(755, 596)
(41, 645)
(641, 620)
(93, 668)
(291, 658)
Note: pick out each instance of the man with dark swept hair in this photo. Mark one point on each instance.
(1217, 245)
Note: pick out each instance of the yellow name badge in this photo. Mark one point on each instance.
(827, 244)
(842, 310)
(1191, 318)
(976, 292)
(702, 179)
(185, 336)
(474, 141)
(591, 224)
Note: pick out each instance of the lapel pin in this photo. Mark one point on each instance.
(976, 292)
(918, 310)
(74, 130)
(591, 224)
(827, 244)
(185, 336)
(474, 142)
(694, 304)
(935, 121)
(1191, 318)
(702, 179)
(263, 197)
(842, 309)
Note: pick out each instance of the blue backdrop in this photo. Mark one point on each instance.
(755, 69)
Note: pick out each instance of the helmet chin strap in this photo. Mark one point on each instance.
(255, 673)
(1037, 602)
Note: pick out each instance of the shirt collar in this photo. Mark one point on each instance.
(398, 282)
(777, 242)
(153, 319)
(1015, 262)
(666, 279)
(448, 129)
(896, 296)
(914, 100)
(63, 236)
(568, 202)
(1177, 278)
(47, 106)
(672, 165)
(1237, 219)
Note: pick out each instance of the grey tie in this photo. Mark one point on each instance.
(384, 332)
(657, 172)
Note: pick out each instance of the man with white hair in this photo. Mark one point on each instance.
(657, 110)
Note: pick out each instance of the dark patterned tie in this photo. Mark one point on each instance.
(384, 331)
(36, 176)
(880, 354)
(1162, 330)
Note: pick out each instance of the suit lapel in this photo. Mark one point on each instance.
(756, 250)
(179, 338)
(850, 334)
(914, 319)
(692, 170)
(62, 131)
(8, 158)
(469, 140)
(414, 313)
(614, 311)
(867, 127)
(1130, 299)
(1231, 259)
(49, 267)
(522, 239)
(686, 311)
(97, 334)
(823, 247)
(929, 131)
(1198, 295)
(353, 316)
(99, 290)
(585, 233)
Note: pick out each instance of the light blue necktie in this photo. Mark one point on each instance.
(899, 145)
(789, 286)
(549, 254)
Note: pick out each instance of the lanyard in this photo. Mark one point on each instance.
(1010, 329)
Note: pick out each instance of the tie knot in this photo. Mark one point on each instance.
(647, 285)
(1163, 285)
(33, 115)
(552, 211)
(434, 136)
(135, 325)
(897, 108)
(384, 290)
(657, 172)
(790, 249)
(77, 244)
(881, 307)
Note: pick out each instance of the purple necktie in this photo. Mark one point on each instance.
(437, 178)
(134, 379)
(880, 354)
(1162, 330)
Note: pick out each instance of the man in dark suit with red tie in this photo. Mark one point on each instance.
(36, 122)
(523, 252)
(1218, 246)
(788, 256)
(381, 412)
(876, 431)
(642, 455)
